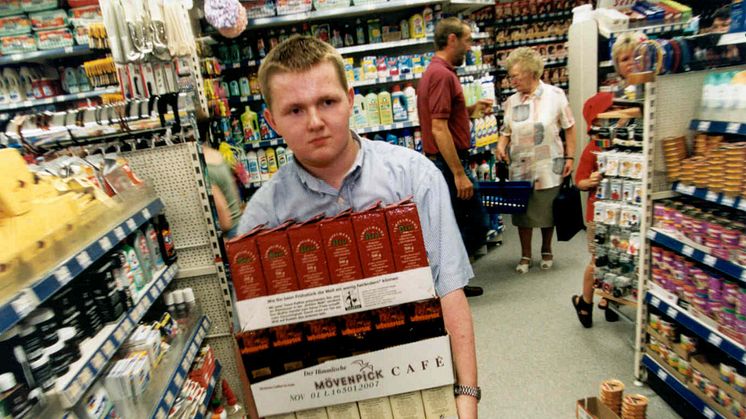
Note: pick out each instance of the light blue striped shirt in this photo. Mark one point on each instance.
(381, 171)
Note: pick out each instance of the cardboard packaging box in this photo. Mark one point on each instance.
(373, 242)
(340, 247)
(592, 408)
(405, 232)
(308, 254)
(277, 260)
(246, 266)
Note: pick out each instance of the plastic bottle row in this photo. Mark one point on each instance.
(262, 164)
(249, 127)
(384, 107)
(40, 82)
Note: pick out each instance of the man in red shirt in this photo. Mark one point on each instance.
(446, 135)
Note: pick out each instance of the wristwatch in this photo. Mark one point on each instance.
(475, 392)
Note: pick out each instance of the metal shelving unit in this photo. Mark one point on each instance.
(264, 144)
(388, 127)
(6, 107)
(527, 42)
(542, 17)
(647, 30)
(718, 127)
(45, 54)
(719, 198)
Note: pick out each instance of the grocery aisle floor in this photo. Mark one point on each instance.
(535, 359)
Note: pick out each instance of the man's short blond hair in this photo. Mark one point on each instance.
(528, 58)
(298, 54)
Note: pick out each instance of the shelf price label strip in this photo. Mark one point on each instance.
(210, 389)
(101, 357)
(724, 266)
(178, 376)
(694, 325)
(680, 388)
(28, 299)
(718, 127)
(718, 198)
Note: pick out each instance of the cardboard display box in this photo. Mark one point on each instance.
(593, 408)
(395, 370)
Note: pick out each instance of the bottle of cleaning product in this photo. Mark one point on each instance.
(252, 162)
(244, 86)
(4, 95)
(83, 83)
(416, 26)
(155, 252)
(135, 267)
(483, 172)
(289, 155)
(27, 81)
(399, 104)
(250, 123)
(261, 155)
(360, 32)
(384, 108)
(404, 27)
(427, 16)
(165, 239)
(140, 244)
(13, 84)
(371, 109)
(418, 141)
(281, 156)
(235, 90)
(411, 94)
(408, 139)
(69, 80)
(359, 118)
(237, 129)
(271, 160)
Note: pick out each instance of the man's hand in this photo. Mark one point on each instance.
(568, 168)
(464, 187)
(594, 180)
(466, 407)
(485, 106)
(502, 154)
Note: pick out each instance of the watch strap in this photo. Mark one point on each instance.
(462, 390)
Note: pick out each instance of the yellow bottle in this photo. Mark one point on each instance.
(271, 160)
(417, 26)
(384, 108)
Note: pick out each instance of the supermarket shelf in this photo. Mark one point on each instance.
(388, 127)
(99, 350)
(253, 185)
(543, 17)
(547, 64)
(732, 38)
(528, 42)
(21, 304)
(5, 107)
(480, 35)
(482, 149)
(210, 389)
(718, 127)
(622, 301)
(715, 197)
(244, 64)
(680, 388)
(358, 10)
(708, 333)
(45, 55)
(508, 92)
(724, 266)
(647, 30)
(466, 6)
(384, 45)
(233, 100)
(264, 144)
(169, 376)
(606, 64)
(461, 71)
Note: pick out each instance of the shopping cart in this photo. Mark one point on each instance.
(503, 196)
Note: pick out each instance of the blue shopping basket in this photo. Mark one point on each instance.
(505, 197)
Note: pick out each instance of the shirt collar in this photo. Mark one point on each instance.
(536, 94)
(443, 62)
(313, 183)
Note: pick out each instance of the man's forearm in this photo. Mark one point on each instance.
(460, 327)
(447, 150)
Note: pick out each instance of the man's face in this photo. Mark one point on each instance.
(463, 45)
(311, 111)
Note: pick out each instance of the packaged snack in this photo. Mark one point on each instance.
(50, 19)
(81, 35)
(56, 38)
(612, 164)
(38, 5)
(83, 15)
(17, 44)
(14, 25)
(10, 7)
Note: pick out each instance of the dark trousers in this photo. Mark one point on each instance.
(472, 219)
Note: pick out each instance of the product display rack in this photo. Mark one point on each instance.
(527, 42)
(680, 388)
(37, 291)
(214, 380)
(45, 54)
(647, 30)
(58, 99)
(169, 376)
(388, 127)
(98, 351)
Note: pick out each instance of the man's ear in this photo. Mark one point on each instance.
(351, 95)
(270, 120)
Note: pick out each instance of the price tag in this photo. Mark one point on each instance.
(185, 362)
(179, 378)
(154, 292)
(108, 349)
(743, 275)
(68, 50)
(74, 390)
(689, 190)
(710, 260)
(28, 103)
(703, 126)
(128, 324)
(25, 303)
(672, 313)
(727, 201)
(119, 233)
(104, 243)
(83, 259)
(742, 204)
(687, 250)
(63, 275)
(85, 376)
(711, 196)
(732, 128)
(146, 213)
(131, 224)
(662, 375)
(169, 398)
(655, 302)
(119, 334)
(709, 413)
(98, 361)
(715, 339)
(16, 57)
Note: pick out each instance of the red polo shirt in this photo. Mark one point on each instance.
(440, 96)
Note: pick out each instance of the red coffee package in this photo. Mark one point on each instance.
(246, 266)
(373, 242)
(308, 254)
(405, 232)
(277, 260)
(340, 248)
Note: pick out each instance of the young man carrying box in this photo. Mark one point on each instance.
(309, 105)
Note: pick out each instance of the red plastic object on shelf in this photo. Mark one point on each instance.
(81, 3)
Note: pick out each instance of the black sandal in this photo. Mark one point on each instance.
(610, 315)
(586, 319)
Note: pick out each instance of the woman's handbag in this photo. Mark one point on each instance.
(568, 210)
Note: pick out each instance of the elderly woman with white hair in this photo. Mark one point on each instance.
(531, 143)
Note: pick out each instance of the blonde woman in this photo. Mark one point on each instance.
(534, 116)
(622, 55)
